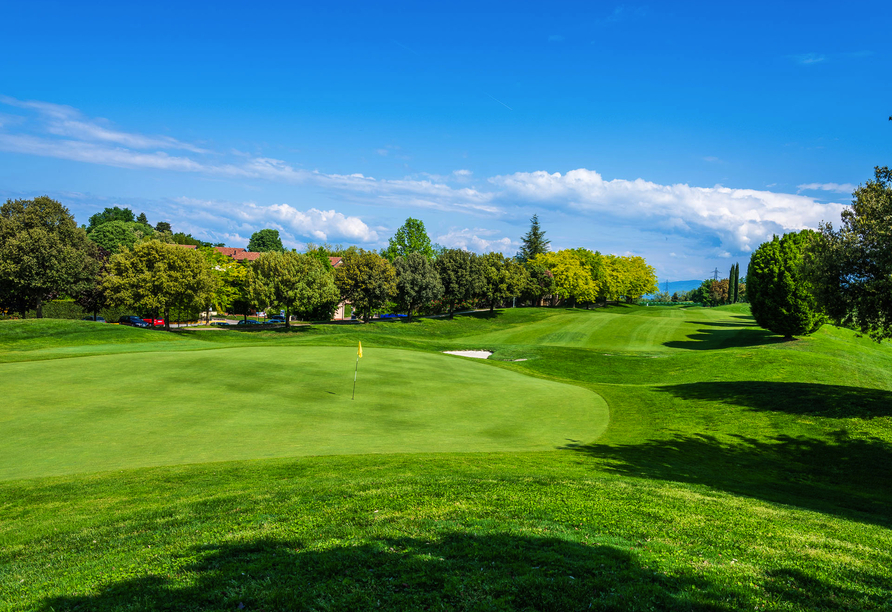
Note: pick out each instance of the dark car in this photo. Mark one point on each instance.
(97, 318)
(132, 322)
(249, 322)
(276, 319)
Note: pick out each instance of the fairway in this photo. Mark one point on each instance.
(109, 412)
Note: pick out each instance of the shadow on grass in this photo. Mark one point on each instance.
(838, 475)
(812, 399)
(712, 339)
(721, 324)
(455, 572)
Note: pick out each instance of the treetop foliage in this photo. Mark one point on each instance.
(411, 237)
(851, 268)
(265, 241)
(111, 214)
(533, 242)
(366, 280)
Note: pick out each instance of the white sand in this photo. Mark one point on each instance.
(474, 354)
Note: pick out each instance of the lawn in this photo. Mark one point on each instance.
(736, 471)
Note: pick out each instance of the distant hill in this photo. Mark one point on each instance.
(680, 286)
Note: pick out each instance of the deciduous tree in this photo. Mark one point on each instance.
(155, 277)
(110, 214)
(500, 278)
(292, 281)
(458, 273)
(42, 253)
(115, 236)
(411, 237)
(417, 282)
(265, 241)
(365, 280)
(851, 268)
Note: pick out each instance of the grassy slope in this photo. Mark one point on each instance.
(737, 473)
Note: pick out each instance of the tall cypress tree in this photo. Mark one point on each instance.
(534, 241)
(731, 285)
(736, 282)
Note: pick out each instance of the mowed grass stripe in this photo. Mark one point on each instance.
(148, 409)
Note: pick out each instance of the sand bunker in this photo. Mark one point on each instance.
(474, 354)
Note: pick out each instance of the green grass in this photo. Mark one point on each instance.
(188, 407)
(736, 472)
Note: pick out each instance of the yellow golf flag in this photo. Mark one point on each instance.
(359, 354)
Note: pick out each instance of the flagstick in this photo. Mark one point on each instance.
(354, 377)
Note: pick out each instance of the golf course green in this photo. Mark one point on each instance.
(620, 458)
(141, 409)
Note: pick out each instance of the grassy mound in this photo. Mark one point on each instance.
(737, 471)
(141, 409)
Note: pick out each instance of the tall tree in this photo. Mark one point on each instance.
(143, 219)
(573, 281)
(781, 297)
(265, 241)
(851, 268)
(500, 278)
(540, 282)
(417, 282)
(90, 295)
(156, 277)
(163, 227)
(458, 273)
(111, 214)
(365, 280)
(42, 253)
(533, 242)
(411, 237)
(292, 281)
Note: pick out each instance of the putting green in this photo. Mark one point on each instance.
(120, 411)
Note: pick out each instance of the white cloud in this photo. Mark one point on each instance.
(808, 58)
(234, 220)
(478, 239)
(67, 121)
(740, 218)
(834, 187)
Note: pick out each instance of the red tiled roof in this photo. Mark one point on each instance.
(229, 251)
(335, 261)
(246, 255)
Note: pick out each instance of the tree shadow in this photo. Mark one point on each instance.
(812, 399)
(838, 475)
(713, 339)
(721, 324)
(456, 571)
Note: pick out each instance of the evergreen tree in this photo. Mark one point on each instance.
(780, 295)
(736, 283)
(142, 218)
(534, 242)
(163, 227)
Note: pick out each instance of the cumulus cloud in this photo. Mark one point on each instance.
(834, 187)
(740, 218)
(233, 219)
(479, 240)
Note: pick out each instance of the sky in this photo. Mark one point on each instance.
(687, 133)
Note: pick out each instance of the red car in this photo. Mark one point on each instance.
(154, 322)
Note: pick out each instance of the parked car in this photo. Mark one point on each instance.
(276, 319)
(132, 321)
(249, 322)
(154, 322)
(393, 316)
(96, 318)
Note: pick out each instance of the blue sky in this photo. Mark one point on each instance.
(684, 132)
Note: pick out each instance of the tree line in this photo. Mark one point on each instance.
(120, 260)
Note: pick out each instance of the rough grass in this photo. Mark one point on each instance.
(737, 472)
